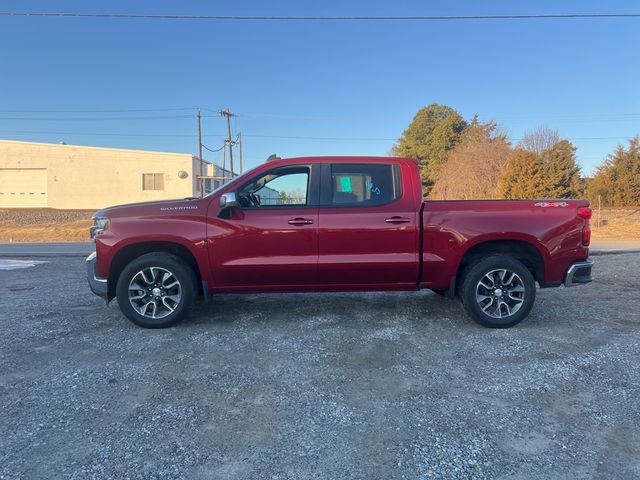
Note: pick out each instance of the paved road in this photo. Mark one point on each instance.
(615, 245)
(322, 386)
(68, 249)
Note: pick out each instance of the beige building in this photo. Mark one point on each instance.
(45, 175)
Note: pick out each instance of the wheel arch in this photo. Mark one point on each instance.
(521, 250)
(135, 250)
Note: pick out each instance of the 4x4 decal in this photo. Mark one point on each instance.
(551, 204)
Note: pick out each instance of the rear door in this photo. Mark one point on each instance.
(368, 230)
(271, 240)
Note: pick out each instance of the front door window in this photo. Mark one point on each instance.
(285, 187)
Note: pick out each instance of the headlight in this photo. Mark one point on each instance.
(100, 224)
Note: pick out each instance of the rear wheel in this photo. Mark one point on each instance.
(498, 291)
(156, 290)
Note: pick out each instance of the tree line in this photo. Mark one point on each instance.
(466, 160)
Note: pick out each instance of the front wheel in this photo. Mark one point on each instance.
(156, 290)
(498, 291)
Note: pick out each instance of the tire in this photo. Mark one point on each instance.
(492, 296)
(156, 290)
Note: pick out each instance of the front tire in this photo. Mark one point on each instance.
(156, 290)
(498, 291)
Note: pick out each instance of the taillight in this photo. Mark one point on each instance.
(585, 213)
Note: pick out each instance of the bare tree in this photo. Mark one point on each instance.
(539, 140)
(472, 171)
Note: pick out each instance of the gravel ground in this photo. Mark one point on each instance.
(379, 385)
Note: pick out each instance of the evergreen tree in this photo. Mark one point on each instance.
(481, 132)
(520, 176)
(617, 179)
(433, 132)
(560, 173)
(542, 167)
(628, 175)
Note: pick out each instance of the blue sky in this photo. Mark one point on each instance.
(352, 87)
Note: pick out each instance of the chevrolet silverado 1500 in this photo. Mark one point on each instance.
(336, 224)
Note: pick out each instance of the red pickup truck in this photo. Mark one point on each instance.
(336, 224)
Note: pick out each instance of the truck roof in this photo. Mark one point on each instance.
(340, 159)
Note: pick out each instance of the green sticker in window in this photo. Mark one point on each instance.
(345, 184)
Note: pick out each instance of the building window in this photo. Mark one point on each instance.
(153, 181)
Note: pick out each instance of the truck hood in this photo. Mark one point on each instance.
(161, 207)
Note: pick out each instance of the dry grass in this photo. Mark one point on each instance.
(616, 224)
(49, 225)
(44, 225)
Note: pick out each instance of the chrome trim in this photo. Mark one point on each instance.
(97, 284)
(228, 200)
(568, 279)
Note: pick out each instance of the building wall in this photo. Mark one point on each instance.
(218, 176)
(78, 177)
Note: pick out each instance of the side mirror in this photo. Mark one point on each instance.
(228, 200)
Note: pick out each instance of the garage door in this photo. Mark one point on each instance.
(23, 187)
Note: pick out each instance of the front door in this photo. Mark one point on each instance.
(270, 241)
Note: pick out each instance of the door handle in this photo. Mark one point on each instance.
(300, 221)
(397, 219)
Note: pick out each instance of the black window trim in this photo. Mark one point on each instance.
(326, 195)
(313, 187)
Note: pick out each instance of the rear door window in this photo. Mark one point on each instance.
(363, 184)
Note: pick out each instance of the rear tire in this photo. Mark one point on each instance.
(498, 291)
(156, 290)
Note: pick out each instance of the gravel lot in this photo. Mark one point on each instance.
(319, 386)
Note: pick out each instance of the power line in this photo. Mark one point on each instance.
(213, 150)
(588, 117)
(59, 119)
(21, 132)
(103, 111)
(363, 139)
(322, 17)
(284, 137)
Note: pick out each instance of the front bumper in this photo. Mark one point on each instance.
(96, 284)
(578, 273)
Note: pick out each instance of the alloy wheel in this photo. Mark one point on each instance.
(154, 292)
(500, 293)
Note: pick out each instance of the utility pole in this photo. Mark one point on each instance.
(240, 148)
(200, 179)
(224, 159)
(226, 113)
